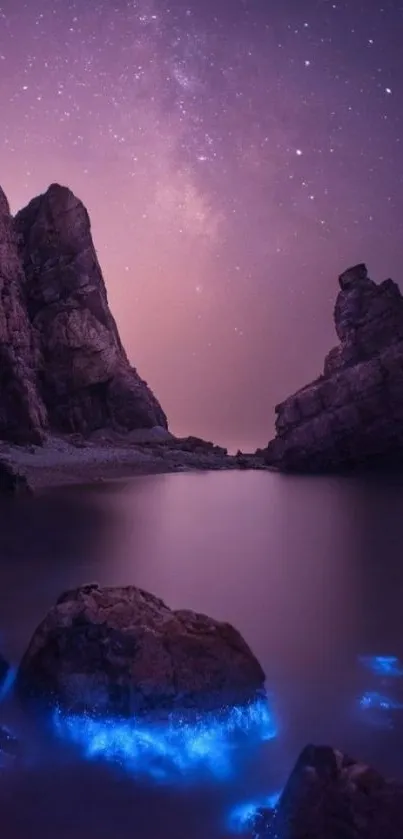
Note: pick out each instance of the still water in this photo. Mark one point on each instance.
(310, 570)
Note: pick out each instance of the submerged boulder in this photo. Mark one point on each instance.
(352, 415)
(122, 650)
(331, 796)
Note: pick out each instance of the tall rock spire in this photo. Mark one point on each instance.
(85, 377)
(23, 416)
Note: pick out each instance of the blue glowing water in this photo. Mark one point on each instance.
(382, 665)
(324, 588)
(174, 747)
(242, 817)
(374, 700)
(6, 687)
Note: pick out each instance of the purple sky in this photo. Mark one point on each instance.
(235, 156)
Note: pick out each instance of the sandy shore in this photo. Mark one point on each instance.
(60, 463)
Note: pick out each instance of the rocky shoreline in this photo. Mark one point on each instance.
(60, 462)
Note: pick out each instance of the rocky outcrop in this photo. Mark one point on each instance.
(331, 796)
(122, 650)
(84, 374)
(12, 483)
(352, 415)
(22, 413)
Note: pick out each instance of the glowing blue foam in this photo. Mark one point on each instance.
(382, 665)
(176, 746)
(8, 683)
(243, 816)
(376, 701)
(377, 709)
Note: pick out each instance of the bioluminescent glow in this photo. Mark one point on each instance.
(8, 683)
(376, 709)
(176, 746)
(243, 816)
(376, 701)
(382, 665)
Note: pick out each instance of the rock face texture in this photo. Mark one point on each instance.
(122, 650)
(331, 796)
(352, 415)
(84, 374)
(62, 364)
(22, 412)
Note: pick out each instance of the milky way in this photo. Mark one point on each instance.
(235, 156)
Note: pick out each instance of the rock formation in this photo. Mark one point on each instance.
(12, 483)
(22, 413)
(352, 415)
(84, 376)
(331, 796)
(63, 367)
(122, 650)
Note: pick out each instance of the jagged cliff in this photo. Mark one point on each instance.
(22, 412)
(352, 415)
(63, 367)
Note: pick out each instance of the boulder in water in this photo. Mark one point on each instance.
(122, 650)
(331, 796)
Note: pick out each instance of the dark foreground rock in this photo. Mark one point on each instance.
(122, 650)
(331, 796)
(352, 415)
(4, 668)
(12, 483)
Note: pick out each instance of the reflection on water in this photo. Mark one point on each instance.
(309, 570)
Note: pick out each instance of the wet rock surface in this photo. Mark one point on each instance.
(122, 650)
(331, 796)
(351, 416)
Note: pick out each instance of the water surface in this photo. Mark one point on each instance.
(310, 570)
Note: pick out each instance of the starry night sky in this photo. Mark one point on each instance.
(235, 156)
